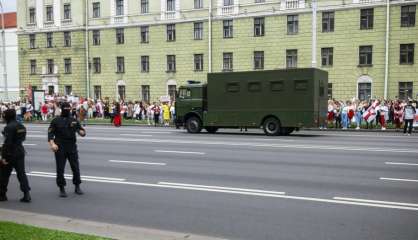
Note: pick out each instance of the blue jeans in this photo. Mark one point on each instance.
(359, 118)
(344, 120)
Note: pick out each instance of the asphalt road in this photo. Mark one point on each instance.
(311, 185)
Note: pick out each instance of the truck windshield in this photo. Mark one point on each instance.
(185, 93)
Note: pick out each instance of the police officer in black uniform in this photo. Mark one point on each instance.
(62, 140)
(13, 156)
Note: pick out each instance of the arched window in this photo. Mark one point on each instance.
(364, 87)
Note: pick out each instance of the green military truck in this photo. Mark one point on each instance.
(279, 101)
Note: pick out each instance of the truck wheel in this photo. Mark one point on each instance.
(193, 125)
(271, 126)
(211, 129)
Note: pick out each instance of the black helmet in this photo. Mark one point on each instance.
(9, 115)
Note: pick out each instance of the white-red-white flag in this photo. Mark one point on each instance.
(370, 114)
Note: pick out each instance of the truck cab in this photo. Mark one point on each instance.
(191, 103)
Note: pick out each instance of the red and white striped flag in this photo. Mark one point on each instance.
(370, 114)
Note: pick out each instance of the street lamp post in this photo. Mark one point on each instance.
(3, 37)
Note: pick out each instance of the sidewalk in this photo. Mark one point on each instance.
(94, 228)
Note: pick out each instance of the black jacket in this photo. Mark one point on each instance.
(63, 130)
(14, 135)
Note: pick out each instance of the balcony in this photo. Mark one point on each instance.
(292, 4)
(49, 24)
(119, 19)
(66, 22)
(365, 1)
(228, 10)
(170, 15)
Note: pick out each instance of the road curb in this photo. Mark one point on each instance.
(107, 230)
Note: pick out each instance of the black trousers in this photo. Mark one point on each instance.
(67, 152)
(408, 122)
(5, 171)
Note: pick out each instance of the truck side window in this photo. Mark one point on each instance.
(232, 87)
(301, 85)
(276, 86)
(185, 93)
(254, 86)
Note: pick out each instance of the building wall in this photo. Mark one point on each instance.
(346, 39)
(12, 66)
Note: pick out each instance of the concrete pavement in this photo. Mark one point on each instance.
(312, 185)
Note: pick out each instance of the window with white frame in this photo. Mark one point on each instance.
(292, 24)
(258, 27)
(96, 37)
(119, 7)
(120, 36)
(227, 61)
(49, 14)
(67, 11)
(50, 66)
(144, 6)
(49, 40)
(67, 65)
(67, 39)
(198, 30)
(32, 41)
(198, 62)
(33, 66)
(171, 32)
(96, 9)
(144, 34)
(327, 56)
(228, 2)
(198, 4)
(32, 15)
(120, 64)
(171, 63)
(171, 5)
(365, 55)
(259, 60)
(291, 58)
(228, 28)
(97, 66)
(145, 64)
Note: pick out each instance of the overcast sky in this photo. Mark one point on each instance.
(9, 5)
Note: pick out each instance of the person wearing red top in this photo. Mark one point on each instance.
(44, 112)
(117, 120)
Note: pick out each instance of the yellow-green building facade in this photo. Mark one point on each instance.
(366, 53)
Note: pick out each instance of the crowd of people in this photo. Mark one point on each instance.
(371, 114)
(156, 113)
(356, 114)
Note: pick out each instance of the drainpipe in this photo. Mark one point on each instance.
(314, 10)
(210, 37)
(3, 37)
(387, 48)
(86, 44)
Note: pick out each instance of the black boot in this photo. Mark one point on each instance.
(78, 190)
(63, 194)
(26, 197)
(3, 197)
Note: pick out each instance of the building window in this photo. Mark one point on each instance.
(144, 6)
(96, 9)
(50, 66)
(406, 54)
(198, 62)
(49, 40)
(366, 18)
(327, 57)
(292, 58)
(144, 34)
(97, 92)
(32, 41)
(292, 24)
(228, 2)
(67, 39)
(365, 55)
(97, 66)
(171, 63)
(198, 31)
(405, 90)
(144, 63)
(67, 11)
(171, 5)
(259, 60)
(227, 62)
(328, 21)
(329, 90)
(119, 7)
(33, 66)
(408, 16)
(172, 92)
(198, 4)
(228, 28)
(49, 14)
(364, 91)
(120, 64)
(67, 65)
(120, 36)
(171, 32)
(258, 27)
(122, 92)
(145, 92)
(68, 89)
(32, 15)
(96, 37)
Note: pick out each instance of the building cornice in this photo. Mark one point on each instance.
(272, 12)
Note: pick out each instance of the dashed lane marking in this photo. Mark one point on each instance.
(133, 162)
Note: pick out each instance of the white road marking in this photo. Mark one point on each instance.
(135, 135)
(158, 132)
(218, 187)
(376, 201)
(399, 179)
(133, 162)
(246, 144)
(401, 163)
(179, 152)
(86, 177)
(30, 144)
(321, 200)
